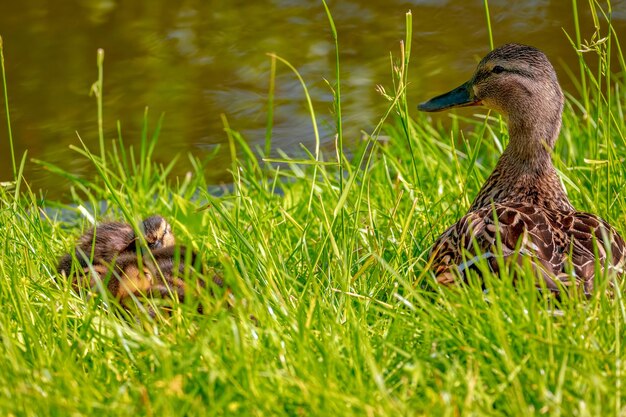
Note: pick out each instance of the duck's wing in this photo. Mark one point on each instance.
(561, 247)
(591, 239)
(515, 231)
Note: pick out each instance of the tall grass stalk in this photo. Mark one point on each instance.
(311, 110)
(488, 21)
(6, 109)
(98, 89)
(337, 96)
(270, 108)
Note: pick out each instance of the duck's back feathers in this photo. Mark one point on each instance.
(562, 247)
(592, 238)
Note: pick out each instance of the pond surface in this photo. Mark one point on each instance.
(195, 60)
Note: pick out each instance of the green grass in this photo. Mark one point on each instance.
(333, 268)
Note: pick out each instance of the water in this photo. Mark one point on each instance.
(193, 61)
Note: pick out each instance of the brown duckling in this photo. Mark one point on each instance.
(171, 265)
(178, 271)
(164, 273)
(126, 276)
(106, 241)
(124, 279)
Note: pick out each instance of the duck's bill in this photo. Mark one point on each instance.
(461, 96)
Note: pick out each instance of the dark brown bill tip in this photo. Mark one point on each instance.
(459, 97)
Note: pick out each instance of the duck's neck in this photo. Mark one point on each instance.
(525, 173)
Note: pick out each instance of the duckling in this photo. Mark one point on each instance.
(169, 264)
(129, 275)
(164, 273)
(523, 203)
(126, 276)
(158, 232)
(178, 271)
(103, 243)
(125, 279)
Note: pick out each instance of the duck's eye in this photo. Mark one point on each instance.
(497, 69)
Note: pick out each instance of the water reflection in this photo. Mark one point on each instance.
(197, 59)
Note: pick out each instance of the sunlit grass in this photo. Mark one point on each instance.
(333, 311)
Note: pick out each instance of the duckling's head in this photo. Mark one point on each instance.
(158, 232)
(515, 80)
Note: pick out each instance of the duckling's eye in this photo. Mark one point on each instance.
(497, 69)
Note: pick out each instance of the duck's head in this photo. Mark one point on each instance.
(158, 232)
(515, 80)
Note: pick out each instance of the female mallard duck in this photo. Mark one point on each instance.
(523, 201)
(107, 241)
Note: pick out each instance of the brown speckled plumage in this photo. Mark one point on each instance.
(523, 200)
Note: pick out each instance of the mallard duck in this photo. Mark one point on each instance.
(109, 240)
(523, 200)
